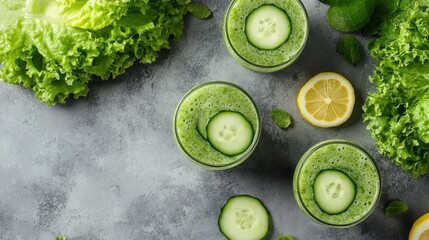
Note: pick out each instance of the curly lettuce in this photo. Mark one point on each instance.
(57, 47)
(398, 112)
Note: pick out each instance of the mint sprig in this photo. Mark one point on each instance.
(199, 10)
(281, 118)
(395, 207)
(285, 237)
(350, 49)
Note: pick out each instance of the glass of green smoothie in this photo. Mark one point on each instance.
(217, 125)
(265, 35)
(337, 184)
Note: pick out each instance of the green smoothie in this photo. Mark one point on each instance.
(351, 163)
(194, 113)
(265, 35)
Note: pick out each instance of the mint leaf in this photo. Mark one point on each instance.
(60, 238)
(350, 49)
(281, 118)
(285, 237)
(395, 207)
(199, 10)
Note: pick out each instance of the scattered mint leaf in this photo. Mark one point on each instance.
(285, 237)
(199, 10)
(281, 118)
(350, 49)
(60, 238)
(395, 207)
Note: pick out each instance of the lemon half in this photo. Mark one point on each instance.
(420, 229)
(326, 100)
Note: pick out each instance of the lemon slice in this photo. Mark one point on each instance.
(420, 228)
(326, 100)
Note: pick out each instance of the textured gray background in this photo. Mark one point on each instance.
(107, 167)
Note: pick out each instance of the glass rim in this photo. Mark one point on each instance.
(304, 158)
(243, 156)
(288, 61)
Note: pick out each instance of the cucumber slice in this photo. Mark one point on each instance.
(244, 217)
(267, 27)
(334, 191)
(229, 133)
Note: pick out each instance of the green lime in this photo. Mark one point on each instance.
(351, 17)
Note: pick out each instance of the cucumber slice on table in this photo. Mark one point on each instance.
(267, 27)
(230, 133)
(244, 217)
(334, 191)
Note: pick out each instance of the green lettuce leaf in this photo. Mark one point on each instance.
(397, 113)
(90, 14)
(57, 47)
(11, 11)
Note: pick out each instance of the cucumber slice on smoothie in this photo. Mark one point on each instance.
(230, 133)
(334, 191)
(267, 27)
(244, 217)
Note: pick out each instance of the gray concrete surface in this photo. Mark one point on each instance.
(107, 167)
